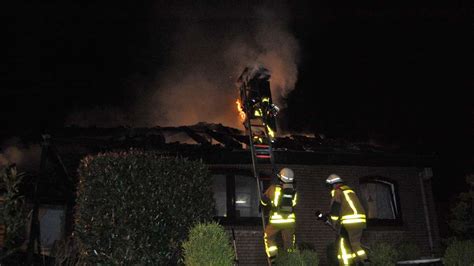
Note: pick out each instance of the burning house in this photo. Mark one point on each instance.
(394, 186)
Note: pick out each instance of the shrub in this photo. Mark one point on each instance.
(208, 244)
(383, 254)
(462, 217)
(408, 251)
(459, 253)
(136, 207)
(298, 258)
(12, 211)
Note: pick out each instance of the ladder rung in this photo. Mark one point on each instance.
(261, 145)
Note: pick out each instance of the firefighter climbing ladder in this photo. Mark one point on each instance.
(257, 128)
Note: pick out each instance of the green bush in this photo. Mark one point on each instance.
(459, 253)
(408, 251)
(13, 214)
(461, 221)
(136, 207)
(208, 244)
(383, 254)
(298, 258)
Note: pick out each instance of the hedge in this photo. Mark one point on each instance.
(136, 207)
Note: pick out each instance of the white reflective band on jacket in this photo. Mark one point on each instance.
(294, 200)
(355, 217)
(279, 219)
(276, 198)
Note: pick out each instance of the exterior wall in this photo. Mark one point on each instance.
(314, 195)
(2, 227)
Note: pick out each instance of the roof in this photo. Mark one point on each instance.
(216, 143)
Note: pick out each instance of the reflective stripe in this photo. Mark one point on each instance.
(360, 252)
(263, 203)
(270, 250)
(349, 256)
(353, 221)
(294, 199)
(257, 112)
(277, 196)
(334, 218)
(346, 194)
(278, 216)
(344, 252)
(265, 99)
(278, 219)
(270, 132)
(353, 216)
(333, 192)
(283, 221)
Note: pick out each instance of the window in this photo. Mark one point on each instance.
(52, 226)
(246, 197)
(380, 200)
(219, 188)
(236, 198)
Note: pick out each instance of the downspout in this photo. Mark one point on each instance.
(423, 176)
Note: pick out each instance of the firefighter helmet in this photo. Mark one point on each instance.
(334, 179)
(286, 175)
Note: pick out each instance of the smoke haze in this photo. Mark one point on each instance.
(208, 52)
(12, 151)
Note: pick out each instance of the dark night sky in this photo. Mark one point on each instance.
(399, 74)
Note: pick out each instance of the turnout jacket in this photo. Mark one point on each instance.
(281, 200)
(345, 207)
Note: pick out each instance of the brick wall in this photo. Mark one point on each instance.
(2, 227)
(314, 195)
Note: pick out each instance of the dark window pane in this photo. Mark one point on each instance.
(246, 197)
(219, 188)
(51, 226)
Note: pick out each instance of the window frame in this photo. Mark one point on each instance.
(395, 195)
(231, 218)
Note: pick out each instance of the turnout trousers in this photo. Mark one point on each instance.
(270, 237)
(349, 249)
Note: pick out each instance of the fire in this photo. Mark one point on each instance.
(241, 111)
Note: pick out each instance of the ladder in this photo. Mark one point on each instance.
(258, 124)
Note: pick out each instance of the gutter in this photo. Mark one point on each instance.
(426, 175)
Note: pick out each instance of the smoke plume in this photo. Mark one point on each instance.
(199, 84)
(207, 52)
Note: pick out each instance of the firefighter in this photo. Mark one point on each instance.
(280, 199)
(348, 217)
(265, 109)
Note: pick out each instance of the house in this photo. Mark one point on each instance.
(394, 186)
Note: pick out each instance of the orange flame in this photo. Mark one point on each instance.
(241, 111)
